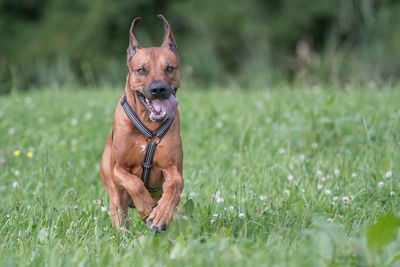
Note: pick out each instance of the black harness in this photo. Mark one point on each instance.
(150, 135)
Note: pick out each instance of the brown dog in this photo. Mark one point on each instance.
(150, 89)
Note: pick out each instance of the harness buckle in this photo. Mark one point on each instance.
(147, 165)
(155, 139)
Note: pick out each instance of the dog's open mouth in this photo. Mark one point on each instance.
(159, 109)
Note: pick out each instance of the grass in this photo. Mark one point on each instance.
(280, 177)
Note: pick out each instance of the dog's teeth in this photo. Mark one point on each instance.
(164, 112)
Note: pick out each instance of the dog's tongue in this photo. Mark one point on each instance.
(166, 105)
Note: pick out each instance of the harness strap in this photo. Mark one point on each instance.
(151, 147)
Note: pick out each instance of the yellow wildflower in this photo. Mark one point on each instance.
(17, 153)
(29, 154)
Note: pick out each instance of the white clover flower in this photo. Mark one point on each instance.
(11, 131)
(281, 150)
(241, 215)
(329, 220)
(219, 199)
(333, 203)
(103, 208)
(381, 184)
(392, 193)
(74, 121)
(323, 179)
(42, 120)
(388, 174)
(328, 192)
(353, 175)
(319, 186)
(290, 177)
(302, 157)
(287, 192)
(15, 185)
(219, 124)
(335, 198)
(231, 208)
(17, 173)
(336, 172)
(346, 200)
(28, 100)
(319, 173)
(263, 198)
(314, 145)
(88, 116)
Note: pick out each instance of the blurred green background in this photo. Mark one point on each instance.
(249, 44)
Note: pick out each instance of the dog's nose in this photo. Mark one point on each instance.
(159, 90)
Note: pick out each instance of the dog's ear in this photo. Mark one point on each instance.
(169, 40)
(133, 43)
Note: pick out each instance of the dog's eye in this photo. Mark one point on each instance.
(170, 69)
(140, 71)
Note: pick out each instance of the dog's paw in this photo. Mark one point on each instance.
(159, 219)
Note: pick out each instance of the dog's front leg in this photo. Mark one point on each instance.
(162, 214)
(136, 189)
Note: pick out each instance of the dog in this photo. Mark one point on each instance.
(149, 97)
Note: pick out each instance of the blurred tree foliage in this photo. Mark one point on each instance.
(252, 43)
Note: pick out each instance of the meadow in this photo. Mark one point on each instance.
(275, 177)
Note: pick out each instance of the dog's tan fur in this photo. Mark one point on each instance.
(120, 168)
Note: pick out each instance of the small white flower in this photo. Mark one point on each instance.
(74, 121)
(335, 198)
(231, 208)
(290, 177)
(302, 157)
(8, 216)
(319, 173)
(215, 215)
(281, 150)
(15, 185)
(303, 191)
(241, 215)
(88, 116)
(328, 192)
(336, 172)
(28, 207)
(392, 193)
(28, 100)
(263, 198)
(41, 120)
(103, 208)
(381, 184)
(11, 131)
(192, 194)
(329, 220)
(353, 175)
(211, 221)
(346, 200)
(17, 173)
(319, 186)
(323, 179)
(219, 199)
(219, 124)
(333, 203)
(314, 145)
(287, 192)
(388, 174)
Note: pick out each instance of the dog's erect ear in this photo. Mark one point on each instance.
(169, 40)
(133, 43)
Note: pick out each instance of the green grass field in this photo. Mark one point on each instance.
(280, 177)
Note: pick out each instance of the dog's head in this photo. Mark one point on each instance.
(154, 73)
